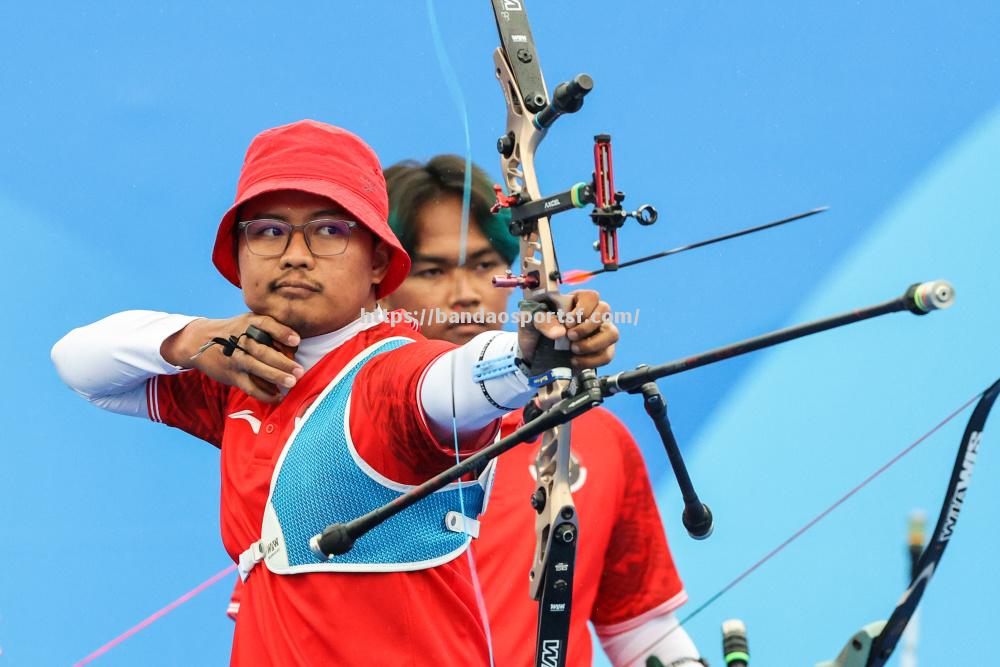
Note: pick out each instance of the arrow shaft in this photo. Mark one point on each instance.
(714, 239)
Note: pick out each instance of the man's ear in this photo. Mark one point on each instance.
(239, 273)
(380, 261)
(236, 246)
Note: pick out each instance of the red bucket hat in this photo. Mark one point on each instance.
(323, 160)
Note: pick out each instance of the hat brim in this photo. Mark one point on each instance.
(224, 256)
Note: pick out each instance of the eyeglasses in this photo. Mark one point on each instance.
(324, 237)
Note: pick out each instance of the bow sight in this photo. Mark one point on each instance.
(608, 213)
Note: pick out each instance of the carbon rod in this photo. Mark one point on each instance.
(920, 298)
(917, 299)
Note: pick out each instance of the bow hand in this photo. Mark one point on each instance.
(576, 336)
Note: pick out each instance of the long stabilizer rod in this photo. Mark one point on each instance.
(336, 539)
(920, 299)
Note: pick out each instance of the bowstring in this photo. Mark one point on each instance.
(155, 616)
(455, 90)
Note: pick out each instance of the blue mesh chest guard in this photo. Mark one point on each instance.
(321, 479)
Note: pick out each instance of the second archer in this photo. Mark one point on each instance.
(626, 582)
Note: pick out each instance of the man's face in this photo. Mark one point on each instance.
(437, 283)
(312, 295)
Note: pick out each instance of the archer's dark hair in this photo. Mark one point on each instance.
(412, 185)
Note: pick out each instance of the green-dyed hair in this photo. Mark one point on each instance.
(411, 185)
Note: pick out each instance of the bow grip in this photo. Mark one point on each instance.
(549, 357)
(549, 354)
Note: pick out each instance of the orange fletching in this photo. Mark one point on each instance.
(576, 277)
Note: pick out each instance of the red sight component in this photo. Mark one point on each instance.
(604, 198)
(604, 173)
(503, 201)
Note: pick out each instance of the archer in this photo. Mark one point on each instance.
(354, 412)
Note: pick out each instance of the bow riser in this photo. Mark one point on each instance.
(551, 574)
(518, 169)
(552, 464)
(540, 283)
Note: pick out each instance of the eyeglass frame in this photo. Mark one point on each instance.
(242, 227)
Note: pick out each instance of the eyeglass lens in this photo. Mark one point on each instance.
(270, 238)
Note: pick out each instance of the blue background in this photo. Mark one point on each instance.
(122, 130)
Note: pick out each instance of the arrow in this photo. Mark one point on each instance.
(576, 277)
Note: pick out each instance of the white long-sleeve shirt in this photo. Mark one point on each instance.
(109, 361)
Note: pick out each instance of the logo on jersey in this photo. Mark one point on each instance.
(248, 416)
(254, 422)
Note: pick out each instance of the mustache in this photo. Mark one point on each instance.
(296, 281)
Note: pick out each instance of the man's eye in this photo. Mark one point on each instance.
(266, 230)
(429, 273)
(487, 265)
(331, 229)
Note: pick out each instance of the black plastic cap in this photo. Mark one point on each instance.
(700, 525)
(336, 540)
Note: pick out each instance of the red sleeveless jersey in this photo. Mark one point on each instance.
(426, 617)
(623, 565)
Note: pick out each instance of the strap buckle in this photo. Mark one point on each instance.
(459, 523)
(250, 558)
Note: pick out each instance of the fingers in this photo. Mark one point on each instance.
(275, 366)
(596, 350)
(266, 363)
(583, 317)
(278, 331)
(604, 335)
(256, 369)
(550, 327)
(590, 330)
(272, 358)
(243, 382)
(589, 313)
(585, 321)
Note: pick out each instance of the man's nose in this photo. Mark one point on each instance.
(297, 254)
(464, 291)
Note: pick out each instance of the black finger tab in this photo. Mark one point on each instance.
(260, 336)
